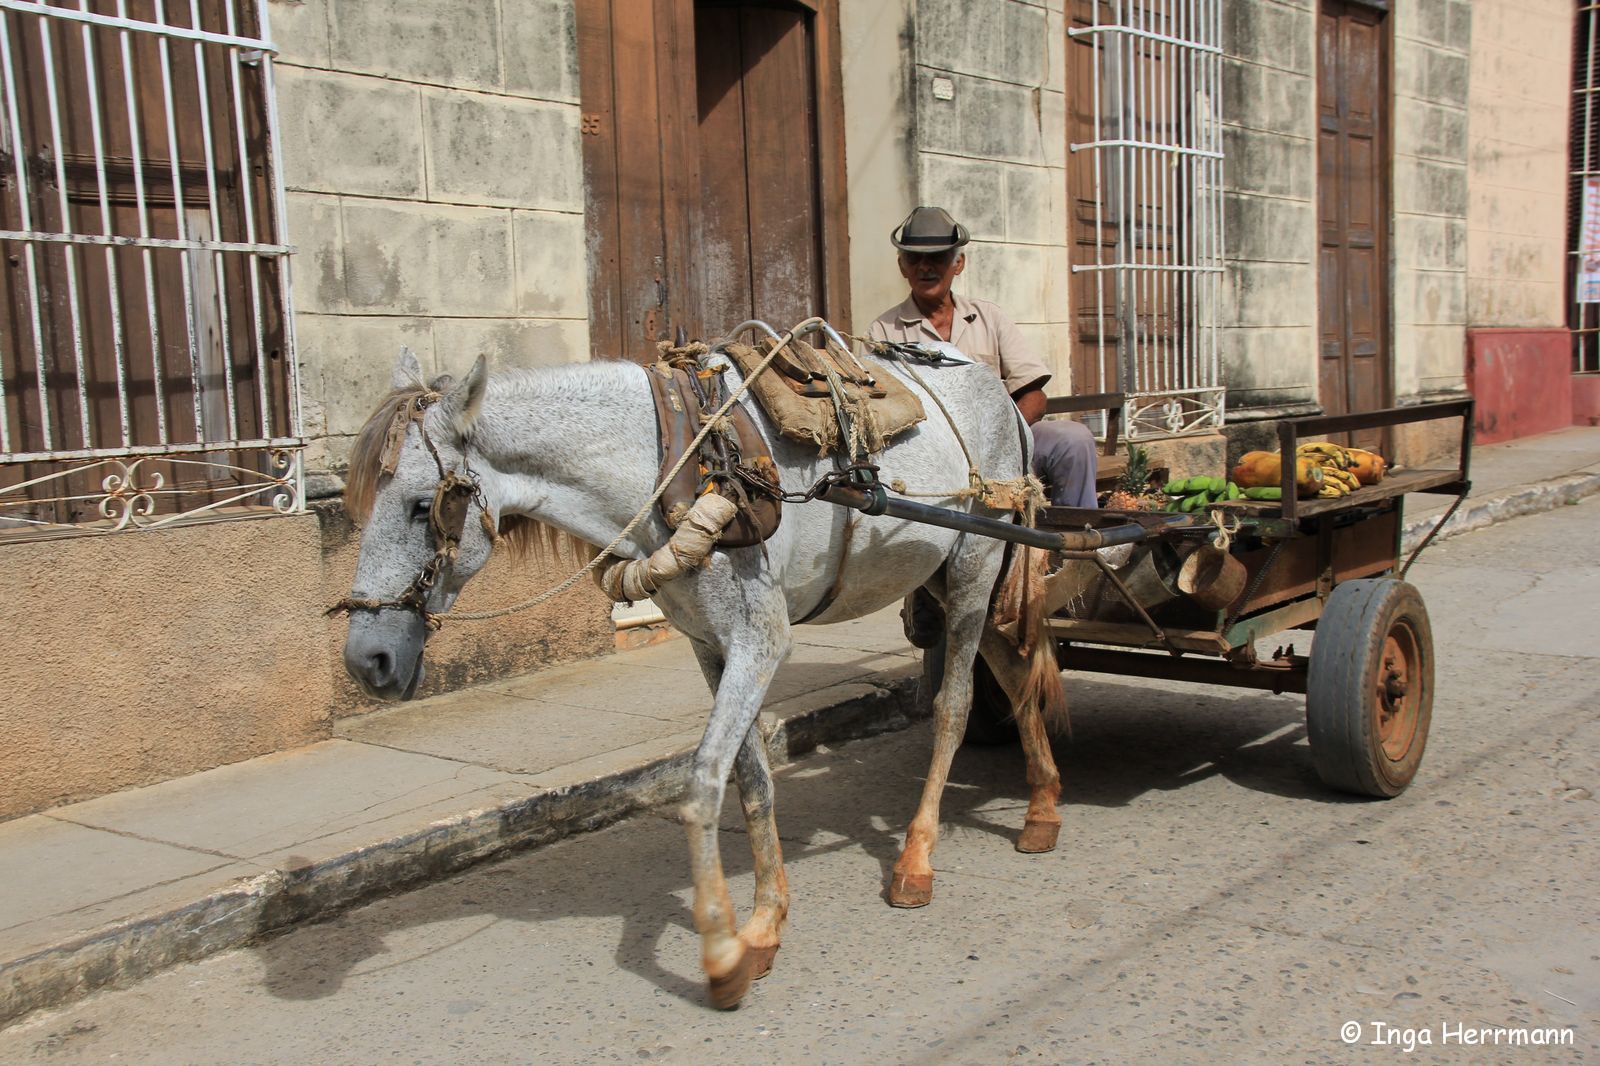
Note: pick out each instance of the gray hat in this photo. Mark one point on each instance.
(929, 229)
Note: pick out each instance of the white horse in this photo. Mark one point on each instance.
(574, 448)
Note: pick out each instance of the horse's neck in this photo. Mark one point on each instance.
(572, 446)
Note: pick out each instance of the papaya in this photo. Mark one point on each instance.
(1368, 467)
(1261, 470)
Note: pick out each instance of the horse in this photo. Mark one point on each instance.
(558, 453)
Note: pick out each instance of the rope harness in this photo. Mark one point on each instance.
(453, 497)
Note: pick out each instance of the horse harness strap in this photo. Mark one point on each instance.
(734, 460)
(447, 517)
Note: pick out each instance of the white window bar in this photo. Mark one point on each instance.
(194, 268)
(1157, 165)
(1583, 313)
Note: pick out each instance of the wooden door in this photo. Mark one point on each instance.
(1354, 364)
(636, 82)
(714, 167)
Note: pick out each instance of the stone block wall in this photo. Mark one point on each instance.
(1432, 39)
(1521, 89)
(960, 103)
(1268, 314)
(434, 181)
(991, 147)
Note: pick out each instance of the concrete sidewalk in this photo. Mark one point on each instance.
(103, 892)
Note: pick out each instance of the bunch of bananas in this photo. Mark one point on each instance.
(1338, 467)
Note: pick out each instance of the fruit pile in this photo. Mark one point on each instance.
(1194, 493)
(1322, 469)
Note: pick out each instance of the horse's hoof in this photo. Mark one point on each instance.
(1038, 837)
(761, 961)
(911, 890)
(729, 988)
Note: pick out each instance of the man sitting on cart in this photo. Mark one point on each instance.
(930, 256)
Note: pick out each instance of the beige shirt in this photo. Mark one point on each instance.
(980, 329)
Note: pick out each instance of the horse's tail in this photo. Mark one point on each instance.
(1019, 614)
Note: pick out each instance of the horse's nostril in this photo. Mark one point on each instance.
(380, 668)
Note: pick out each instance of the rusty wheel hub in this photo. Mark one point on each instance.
(1396, 711)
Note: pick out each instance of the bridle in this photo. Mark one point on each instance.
(453, 497)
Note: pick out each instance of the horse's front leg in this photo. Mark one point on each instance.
(747, 670)
(762, 933)
(911, 883)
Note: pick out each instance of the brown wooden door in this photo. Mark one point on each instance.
(1354, 369)
(713, 165)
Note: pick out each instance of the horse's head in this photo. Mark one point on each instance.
(428, 527)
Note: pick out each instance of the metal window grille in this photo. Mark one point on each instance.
(147, 369)
(1583, 193)
(1157, 175)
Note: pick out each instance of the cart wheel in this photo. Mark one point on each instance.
(1369, 688)
(990, 722)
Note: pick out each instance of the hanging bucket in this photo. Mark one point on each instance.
(1212, 577)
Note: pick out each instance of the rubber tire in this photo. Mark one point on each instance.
(990, 723)
(1342, 702)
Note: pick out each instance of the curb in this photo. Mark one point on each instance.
(269, 903)
(1529, 499)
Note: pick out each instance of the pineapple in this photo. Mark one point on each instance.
(1134, 484)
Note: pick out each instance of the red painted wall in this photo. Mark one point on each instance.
(1522, 380)
(1586, 399)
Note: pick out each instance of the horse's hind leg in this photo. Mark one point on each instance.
(969, 575)
(764, 929)
(1042, 824)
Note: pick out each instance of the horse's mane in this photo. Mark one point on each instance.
(522, 535)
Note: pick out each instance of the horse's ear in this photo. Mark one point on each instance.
(460, 406)
(407, 370)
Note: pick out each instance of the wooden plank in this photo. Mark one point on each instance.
(601, 209)
(1134, 636)
(1396, 484)
(780, 136)
(831, 178)
(724, 184)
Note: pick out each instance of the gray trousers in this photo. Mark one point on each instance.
(1065, 459)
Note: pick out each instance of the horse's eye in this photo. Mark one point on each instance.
(420, 509)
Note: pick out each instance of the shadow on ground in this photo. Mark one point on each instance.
(1127, 739)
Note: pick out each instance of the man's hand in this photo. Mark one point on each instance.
(1031, 403)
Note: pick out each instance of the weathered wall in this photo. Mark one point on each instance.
(1521, 90)
(1268, 314)
(878, 41)
(435, 184)
(151, 654)
(992, 152)
(1431, 78)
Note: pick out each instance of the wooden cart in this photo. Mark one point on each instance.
(1330, 565)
